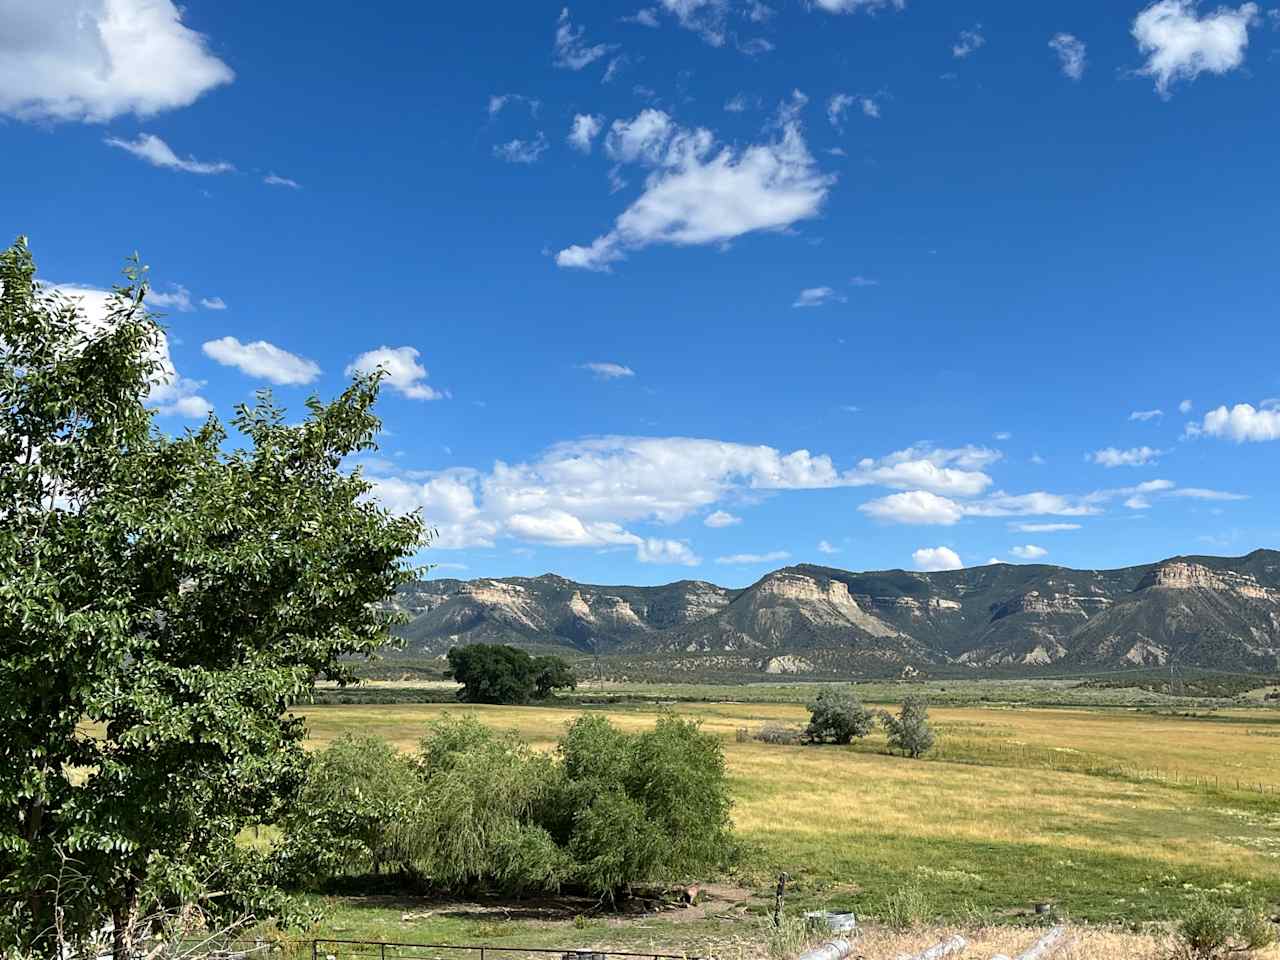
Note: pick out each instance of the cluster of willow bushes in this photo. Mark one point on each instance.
(473, 808)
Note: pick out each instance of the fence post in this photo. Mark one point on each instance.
(315, 950)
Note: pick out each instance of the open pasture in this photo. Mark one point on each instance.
(1112, 815)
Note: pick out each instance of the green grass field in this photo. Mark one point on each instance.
(1114, 815)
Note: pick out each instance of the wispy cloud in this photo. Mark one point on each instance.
(153, 150)
(522, 151)
(1133, 457)
(608, 371)
(1071, 54)
(751, 559)
(570, 51)
(968, 43)
(1180, 44)
(817, 297)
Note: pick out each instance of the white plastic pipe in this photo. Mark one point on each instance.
(831, 950)
(946, 948)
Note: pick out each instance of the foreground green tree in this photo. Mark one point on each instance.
(162, 601)
(910, 731)
(837, 716)
(497, 673)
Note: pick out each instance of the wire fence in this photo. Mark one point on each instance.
(382, 950)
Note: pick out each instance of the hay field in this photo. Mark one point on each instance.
(1112, 815)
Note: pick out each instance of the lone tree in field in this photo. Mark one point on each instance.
(909, 731)
(837, 716)
(496, 673)
(162, 601)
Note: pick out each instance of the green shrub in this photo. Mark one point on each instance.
(1211, 928)
(909, 731)
(496, 673)
(906, 907)
(837, 716)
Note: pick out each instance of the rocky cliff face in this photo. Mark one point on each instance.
(810, 620)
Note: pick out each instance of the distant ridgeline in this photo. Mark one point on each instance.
(1218, 613)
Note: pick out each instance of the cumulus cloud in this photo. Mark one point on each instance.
(171, 394)
(825, 546)
(1029, 552)
(1242, 423)
(968, 43)
(921, 507)
(645, 17)
(1180, 45)
(93, 60)
(262, 359)
(177, 298)
(1185, 406)
(1134, 457)
(608, 371)
(817, 297)
(585, 128)
(935, 559)
(698, 194)
(915, 507)
(1142, 416)
(1071, 54)
(720, 519)
(402, 371)
(156, 152)
(704, 17)
(522, 151)
(569, 50)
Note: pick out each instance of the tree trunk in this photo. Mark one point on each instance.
(124, 914)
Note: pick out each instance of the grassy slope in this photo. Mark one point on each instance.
(1112, 814)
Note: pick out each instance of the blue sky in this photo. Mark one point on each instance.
(702, 287)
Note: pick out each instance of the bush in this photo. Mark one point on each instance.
(494, 673)
(481, 809)
(779, 734)
(906, 907)
(837, 716)
(1211, 928)
(909, 731)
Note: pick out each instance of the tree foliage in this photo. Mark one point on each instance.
(837, 716)
(910, 731)
(496, 673)
(486, 811)
(162, 600)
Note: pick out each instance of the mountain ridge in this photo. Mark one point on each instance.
(1189, 610)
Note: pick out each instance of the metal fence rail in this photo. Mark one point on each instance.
(381, 950)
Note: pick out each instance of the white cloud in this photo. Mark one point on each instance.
(969, 42)
(1003, 435)
(1242, 423)
(750, 559)
(720, 519)
(852, 6)
(213, 303)
(1185, 406)
(826, 547)
(403, 372)
(1133, 457)
(178, 298)
(817, 297)
(171, 394)
(156, 152)
(262, 359)
(273, 180)
(837, 107)
(608, 371)
(645, 17)
(522, 151)
(569, 50)
(1180, 45)
(861, 281)
(585, 128)
(1071, 54)
(870, 107)
(1029, 552)
(642, 139)
(1043, 527)
(616, 66)
(498, 102)
(705, 17)
(1142, 416)
(668, 552)
(738, 103)
(699, 196)
(1038, 460)
(935, 559)
(1200, 493)
(93, 60)
(915, 507)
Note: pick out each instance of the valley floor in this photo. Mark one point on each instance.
(1116, 816)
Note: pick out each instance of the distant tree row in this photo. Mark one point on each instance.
(494, 673)
(473, 808)
(837, 716)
